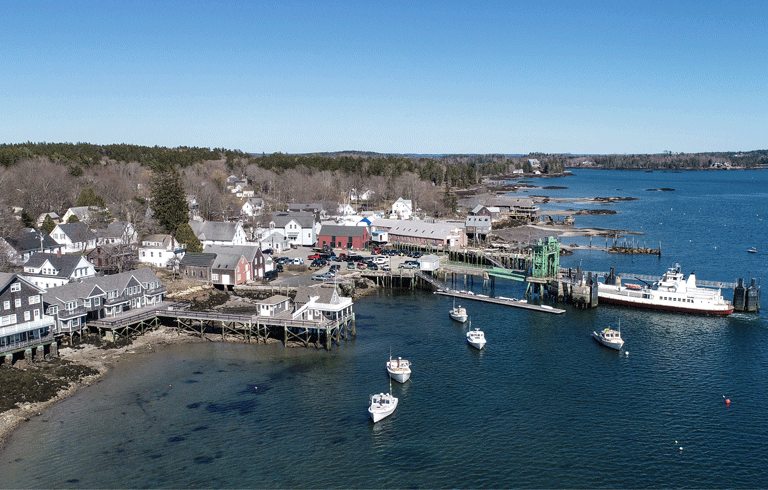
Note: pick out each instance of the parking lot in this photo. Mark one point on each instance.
(302, 275)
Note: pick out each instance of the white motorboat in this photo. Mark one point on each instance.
(458, 313)
(399, 369)
(609, 338)
(382, 405)
(476, 337)
(752, 250)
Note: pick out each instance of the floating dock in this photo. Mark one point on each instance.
(516, 303)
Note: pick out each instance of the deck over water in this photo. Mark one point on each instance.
(500, 301)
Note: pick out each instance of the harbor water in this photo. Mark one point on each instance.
(542, 406)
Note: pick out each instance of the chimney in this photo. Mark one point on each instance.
(58, 252)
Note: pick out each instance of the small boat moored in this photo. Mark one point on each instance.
(399, 369)
(458, 313)
(609, 338)
(382, 405)
(476, 337)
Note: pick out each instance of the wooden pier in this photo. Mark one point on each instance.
(245, 328)
(501, 301)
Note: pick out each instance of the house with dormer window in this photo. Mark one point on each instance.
(74, 237)
(160, 250)
(47, 270)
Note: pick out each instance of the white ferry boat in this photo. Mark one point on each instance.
(673, 292)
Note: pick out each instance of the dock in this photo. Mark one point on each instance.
(516, 303)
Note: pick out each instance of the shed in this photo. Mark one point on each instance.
(429, 262)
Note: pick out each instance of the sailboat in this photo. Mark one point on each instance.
(382, 404)
(458, 313)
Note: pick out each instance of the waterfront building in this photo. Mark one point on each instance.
(346, 237)
(424, 233)
(23, 322)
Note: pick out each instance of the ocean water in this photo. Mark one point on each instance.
(542, 406)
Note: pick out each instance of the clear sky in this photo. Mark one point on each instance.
(513, 76)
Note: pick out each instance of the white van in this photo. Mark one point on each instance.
(380, 259)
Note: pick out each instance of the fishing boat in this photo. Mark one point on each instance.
(672, 292)
(752, 250)
(382, 404)
(399, 369)
(458, 313)
(476, 337)
(609, 338)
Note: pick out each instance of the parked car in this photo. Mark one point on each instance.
(334, 268)
(298, 261)
(407, 265)
(313, 256)
(323, 276)
(350, 265)
(267, 251)
(386, 267)
(376, 251)
(372, 266)
(279, 267)
(270, 276)
(361, 265)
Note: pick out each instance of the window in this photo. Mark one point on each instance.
(6, 305)
(33, 300)
(15, 287)
(17, 302)
(96, 301)
(27, 316)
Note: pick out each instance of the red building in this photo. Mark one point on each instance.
(345, 237)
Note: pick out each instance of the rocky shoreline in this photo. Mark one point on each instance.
(44, 383)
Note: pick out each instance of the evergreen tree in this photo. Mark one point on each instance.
(185, 235)
(89, 198)
(48, 224)
(73, 219)
(169, 203)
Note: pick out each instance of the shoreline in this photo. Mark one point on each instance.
(100, 359)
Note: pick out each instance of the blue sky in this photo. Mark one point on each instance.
(391, 77)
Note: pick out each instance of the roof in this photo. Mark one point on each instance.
(273, 300)
(305, 220)
(72, 292)
(248, 251)
(338, 230)
(30, 240)
(115, 229)
(226, 261)
(64, 264)
(418, 229)
(77, 232)
(324, 294)
(8, 277)
(196, 259)
(163, 239)
(221, 231)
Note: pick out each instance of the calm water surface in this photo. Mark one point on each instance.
(542, 406)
